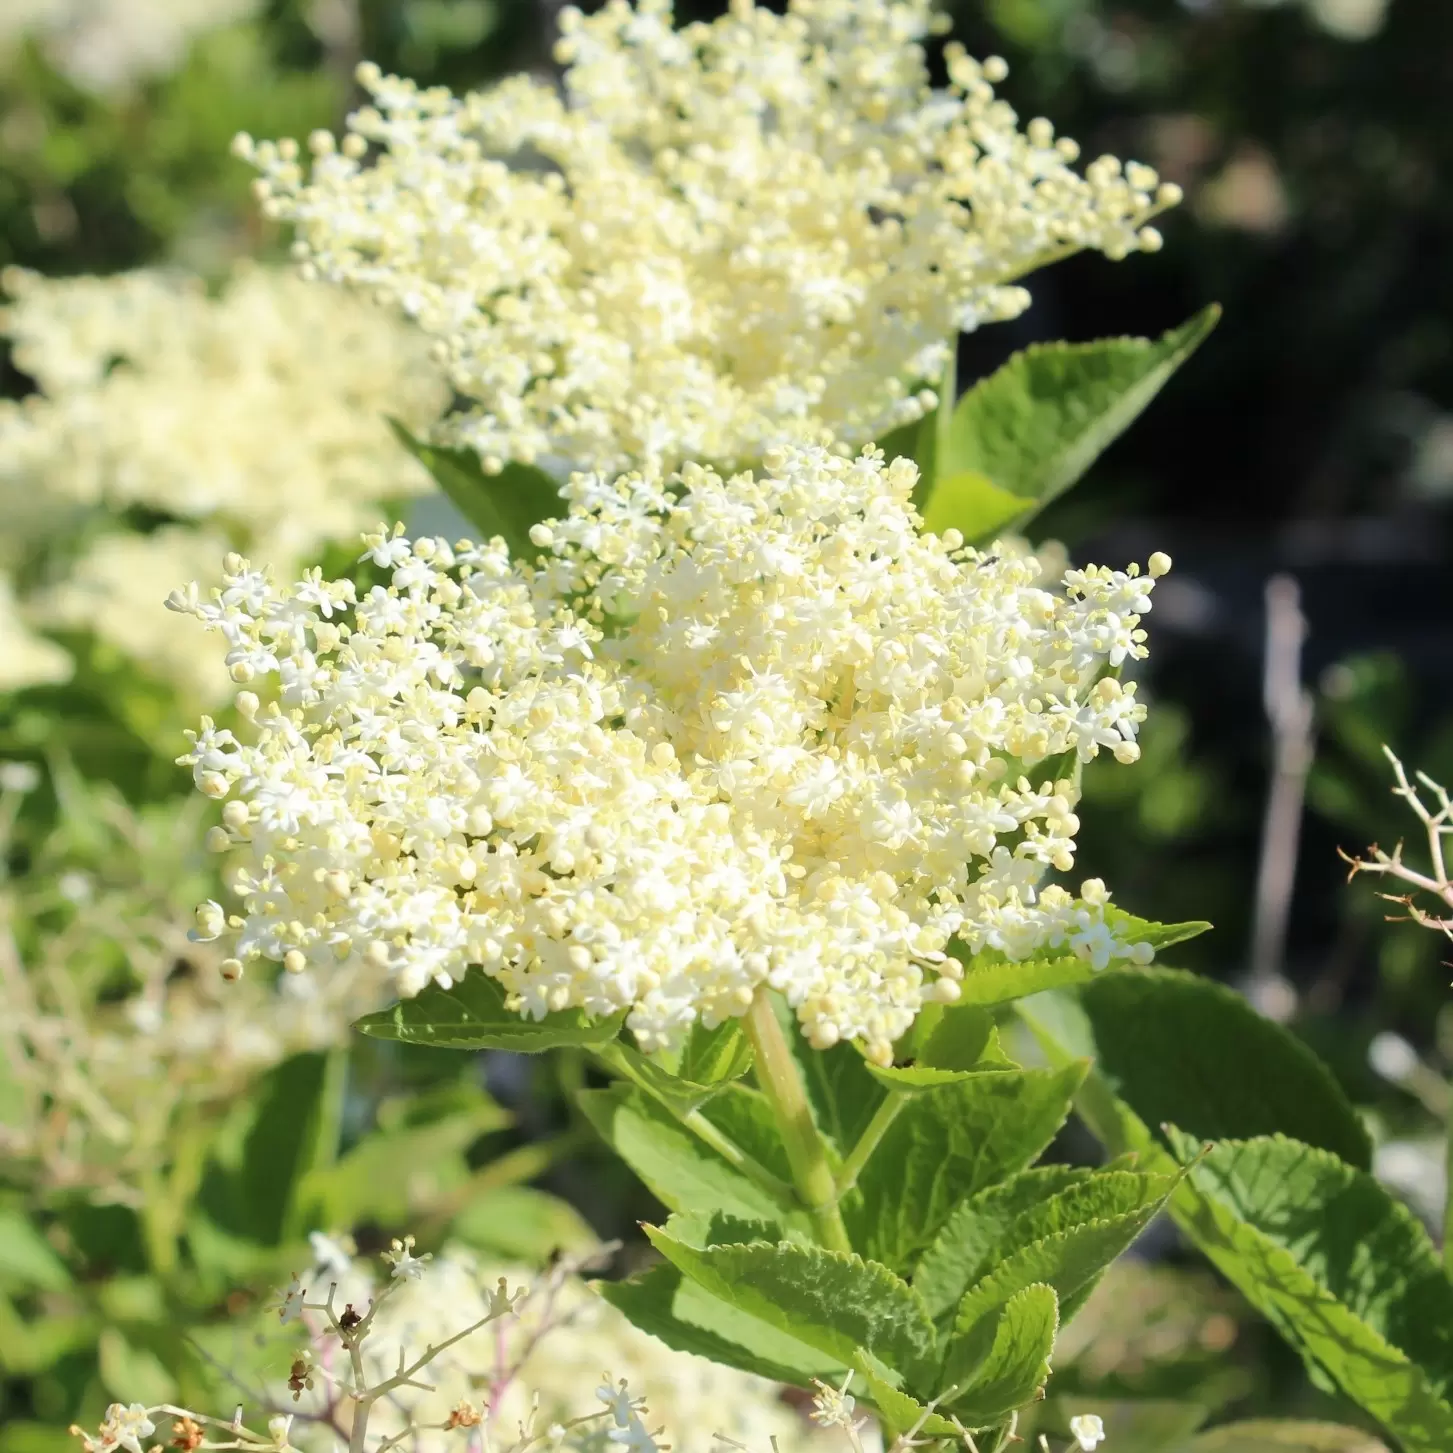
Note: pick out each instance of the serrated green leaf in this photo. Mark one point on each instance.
(992, 978)
(901, 1411)
(1343, 1271)
(977, 1227)
(1273, 1435)
(830, 1300)
(974, 505)
(988, 1230)
(472, 1015)
(1012, 1366)
(1070, 1260)
(679, 1169)
(27, 1259)
(505, 504)
(1038, 423)
(686, 1317)
(919, 1079)
(1174, 1047)
(945, 1146)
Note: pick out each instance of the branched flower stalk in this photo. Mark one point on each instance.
(1430, 883)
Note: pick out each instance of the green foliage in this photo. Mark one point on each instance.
(1344, 1272)
(1021, 437)
(472, 1015)
(1019, 1339)
(829, 1300)
(1169, 1046)
(681, 1170)
(1266, 1435)
(506, 504)
(947, 1145)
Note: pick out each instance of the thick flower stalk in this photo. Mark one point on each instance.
(717, 240)
(252, 419)
(724, 734)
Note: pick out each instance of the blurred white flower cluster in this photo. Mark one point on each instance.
(252, 418)
(727, 733)
(114, 1028)
(755, 231)
(445, 1353)
(110, 45)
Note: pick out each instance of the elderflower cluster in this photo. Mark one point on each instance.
(533, 1366)
(116, 1032)
(110, 45)
(724, 734)
(254, 417)
(764, 229)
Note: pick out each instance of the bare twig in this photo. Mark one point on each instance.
(1289, 712)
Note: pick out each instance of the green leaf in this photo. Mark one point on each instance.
(716, 1056)
(686, 1317)
(380, 1179)
(830, 1300)
(947, 1145)
(1268, 1435)
(472, 1015)
(282, 1145)
(1070, 1259)
(1173, 1047)
(132, 1373)
(974, 505)
(898, 1409)
(27, 1259)
(992, 978)
(522, 1224)
(680, 1095)
(1343, 1271)
(1070, 1216)
(1011, 1365)
(964, 1248)
(1036, 425)
(964, 1037)
(505, 504)
(678, 1168)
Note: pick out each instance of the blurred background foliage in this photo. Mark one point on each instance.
(1311, 438)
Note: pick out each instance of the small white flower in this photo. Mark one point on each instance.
(289, 1307)
(332, 1255)
(278, 1428)
(1088, 1430)
(400, 1256)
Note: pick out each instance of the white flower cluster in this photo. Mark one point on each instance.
(537, 1365)
(776, 737)
(110, 45)
(723, 238)
(253, 418)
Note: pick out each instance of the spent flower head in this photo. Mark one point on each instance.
(718, 239)
(724, 735)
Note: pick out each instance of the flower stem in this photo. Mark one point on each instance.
(875, 1130)
(781, 1082)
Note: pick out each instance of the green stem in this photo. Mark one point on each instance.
(876, 1129)
(781, 1082)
